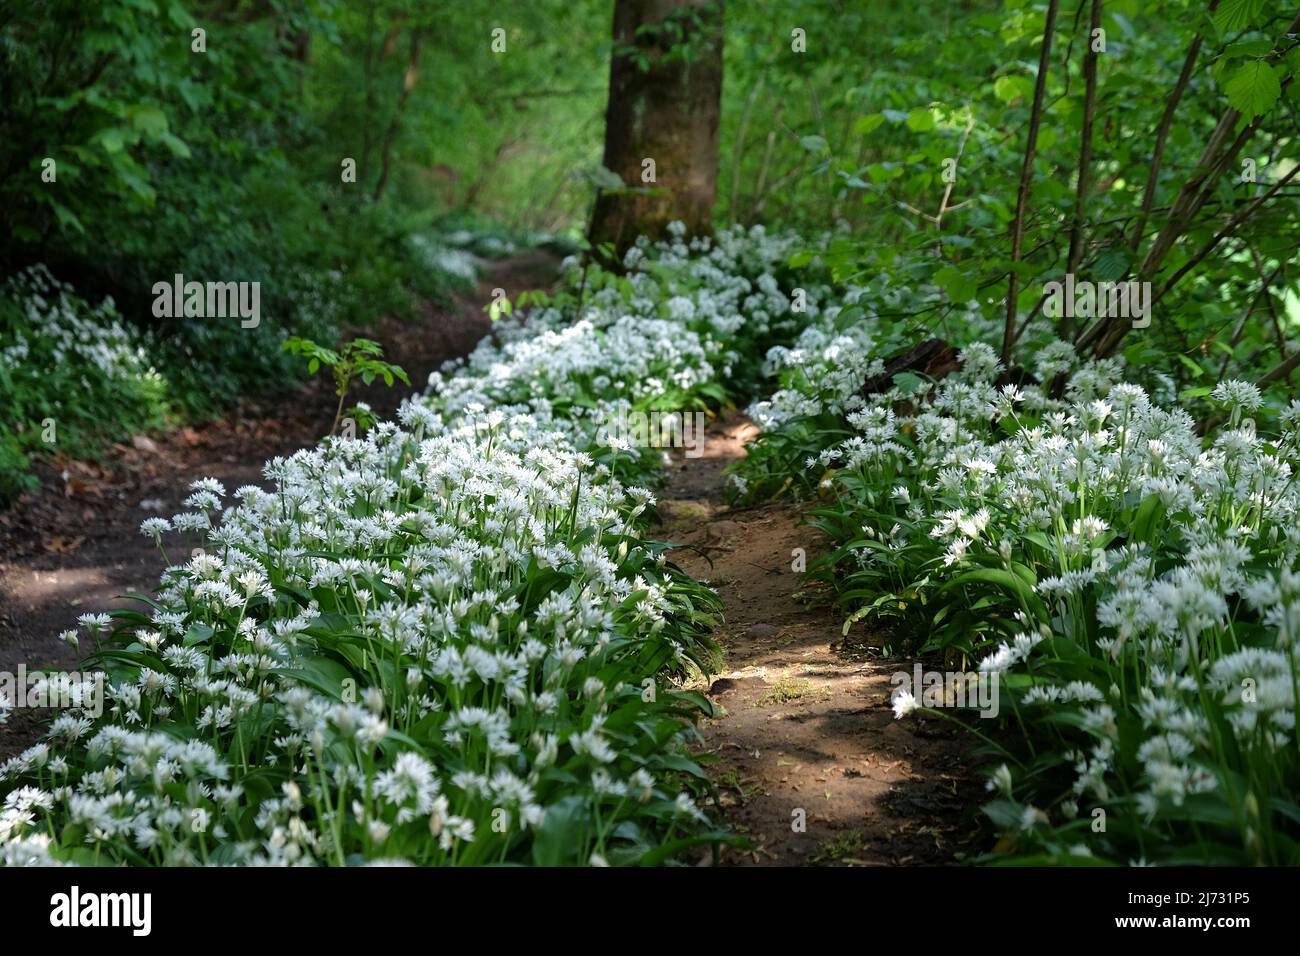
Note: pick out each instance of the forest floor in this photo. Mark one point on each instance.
(811, 765)
(803, 733)
(74, 546)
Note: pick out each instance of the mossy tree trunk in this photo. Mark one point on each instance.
(665, 100)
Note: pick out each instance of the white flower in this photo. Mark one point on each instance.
(904, 703)
(1000, 781)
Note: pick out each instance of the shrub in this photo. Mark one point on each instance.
(72, 377)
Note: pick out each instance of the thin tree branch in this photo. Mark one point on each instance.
(1075, 255)
(1162, 134)
(1223, 233)
(1026, 179)
(411, 77)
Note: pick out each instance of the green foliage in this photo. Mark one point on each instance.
(72, 377)
(919, 155)
(435, 625)
(15, 476)
(222, 159)
(130, 156)
(357, 359)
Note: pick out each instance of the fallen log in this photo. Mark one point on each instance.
(933, 358)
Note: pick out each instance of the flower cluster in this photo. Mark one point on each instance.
(442, 642)
(677, 331)
(1135, 586)
(67, 331)
(70, 365)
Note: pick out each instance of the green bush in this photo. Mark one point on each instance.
(72, 377)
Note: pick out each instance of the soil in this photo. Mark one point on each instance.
(74, 546)
(809, 762)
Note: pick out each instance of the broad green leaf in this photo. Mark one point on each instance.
(113, 139)
(920, 120)
(959, 286)
(1253, 88)
(1008, 88)
(1111, 265)
(176, 145)
(1248, 48)
(149, 120)
(867, 124)
(1233, 15)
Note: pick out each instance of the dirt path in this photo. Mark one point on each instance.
(74, 546)
(805, 731)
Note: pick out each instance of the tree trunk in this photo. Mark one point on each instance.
(665, 100)
(409, 79)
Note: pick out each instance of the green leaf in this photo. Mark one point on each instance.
(920, 120)
(112, 139)
(326, 675)
(1008, 88)
(605, 178)
(1235, 15)
(66, 217)
(1006, 581)
(554, 840)
(868, 124)
(197, 634)
(1253, 88)
(176, 145)
(1149, 515)
(814, 144)
(959, 286)
(149, 120)
(1111, 265)
(1248, 48)
(666, 851)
